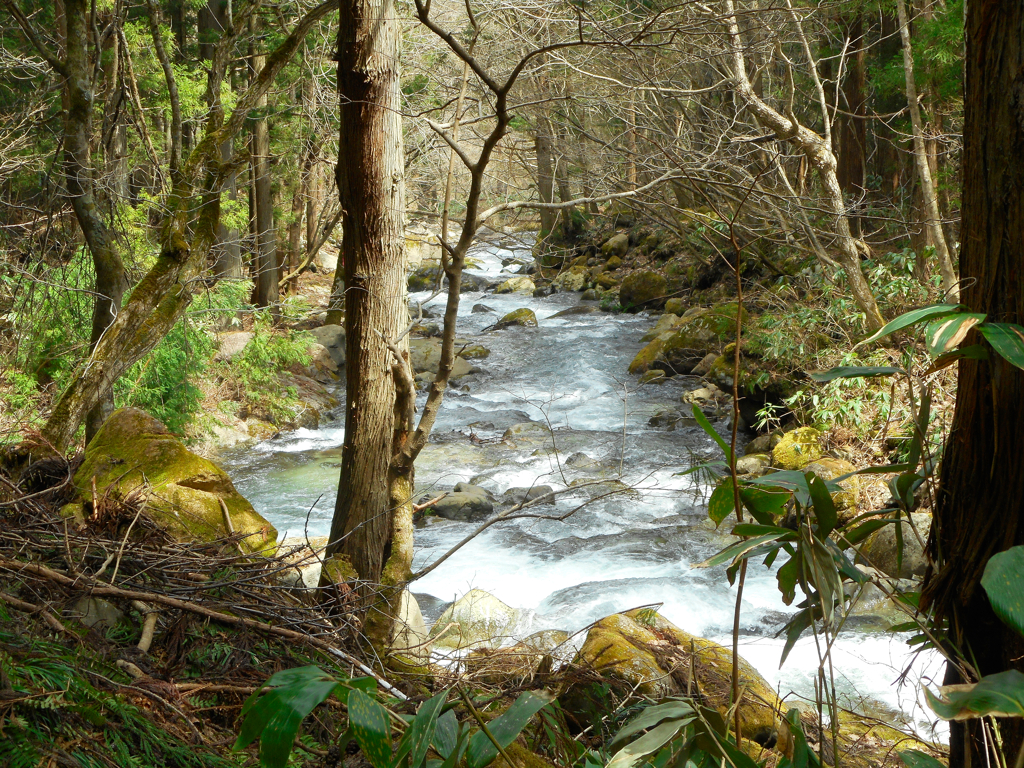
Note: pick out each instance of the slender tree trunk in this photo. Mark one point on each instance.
(817, 151)
(371, 529)
(933, 223)
(980, 510)
(543, 143)
(853, 126)
(265, 291)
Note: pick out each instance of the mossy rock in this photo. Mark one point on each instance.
(613, 263)
(522, 317)
(665, 325)
(797, 449)
(643, 289)
(880, 550)
(475, 352)
(828, 468)
(616, 245)
(517, 285)
(606, 281)
(651, 657)
(675, 306)
(647, 357)
(477, 619)
(182, 492)
(700, 332)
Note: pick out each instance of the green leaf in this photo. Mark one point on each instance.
(946, 333)
(908, 319)
(913, 758)
(1007, 339)
(698, 414)
(749, 529)
(854, 372)
(722, 502)
(741, 548)
(276, 710)
(371, 727)
(797, 626)
(1000, 695)
(651, 716)
(803, 755)
(788, 576)
(651, 741)
(446, 734)
(824, 507)
(764, 504)
(973, 352)
(1003, 581)
(421, 730)
(505, 728)
(862, 531)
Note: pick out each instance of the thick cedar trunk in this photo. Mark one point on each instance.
(370, 518)
(980, 508)
(265, 291)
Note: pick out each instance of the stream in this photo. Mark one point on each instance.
(615, 553)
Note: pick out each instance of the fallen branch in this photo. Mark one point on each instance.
(21, 605)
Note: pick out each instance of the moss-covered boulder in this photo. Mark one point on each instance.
(675, 306)
(699, 333)
(573, 280)
(517, 285)
(477, 619)
(649, 656)
(880, 550)
(616, 245)
(182, 492)
(828, 468)
(522, 317)
(797, 449)
(613, 263)
(643, 289)
(665, 325)
(647, 357)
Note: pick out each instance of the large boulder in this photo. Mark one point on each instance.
(517, 285)
(797, 449)
(425, 355)
(182, 492)
(643, 289)
(698, 333)
(643, 654)
(231, 344)
(647, 357)
(409, 635)
(523, 317)
(616, 245)
(573, 280)
(332, 337)
(664, 327)
(477, 619)
(879, 550)
(467, 503)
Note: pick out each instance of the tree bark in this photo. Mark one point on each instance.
(979, 509)
(372, 518)
(933, 221)
(265, 292)
(543, 143)
(852, 133)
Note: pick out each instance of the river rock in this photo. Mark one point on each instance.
(828, 468)
(521, 495)
(97, 613)
(522, 317)
(516, 285)
(613, 263)
(639, 652)
(763, 443)
(703, 368)
(570, 281)
(473, 283)
(424, 278)
(653, 377)
(332, 338)
(474, 620)
(879, 549)
(425, 355)
(647, 357)
(180, 491)
(579, 309)
(675, 306)
(527, 431)
(754, 465)
(642, 289)
(474, 352)
(482, 309)
(797, 449)
(665, 325)
(581, 460)
(232, 344)
(616, 245)
(467, 503)
(409, 636)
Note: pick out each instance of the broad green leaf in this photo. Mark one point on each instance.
(698, 414)
(764, 504)
(275, 711)
(1000, 695)
(973, 352)
(651, 716)
(1003, 581)
(862, 531)
(946, 333)
(421, 730)
(446, 734)
(651, 741)
(854, 372)
(803, 755)
(740, 548)
(788, 576)
(824, 507)
(722, 502)
(505, 728)
(371, 727)
(750, 529)
(1007, 339)
(911, 318)
(797, 626)
(913, 758)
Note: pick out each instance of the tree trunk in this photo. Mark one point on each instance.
(980, 510)
(933, 223)
(852, 132)
(544, 144)
(265, 291)
(372, 517)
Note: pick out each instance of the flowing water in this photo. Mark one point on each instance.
(614, 553)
